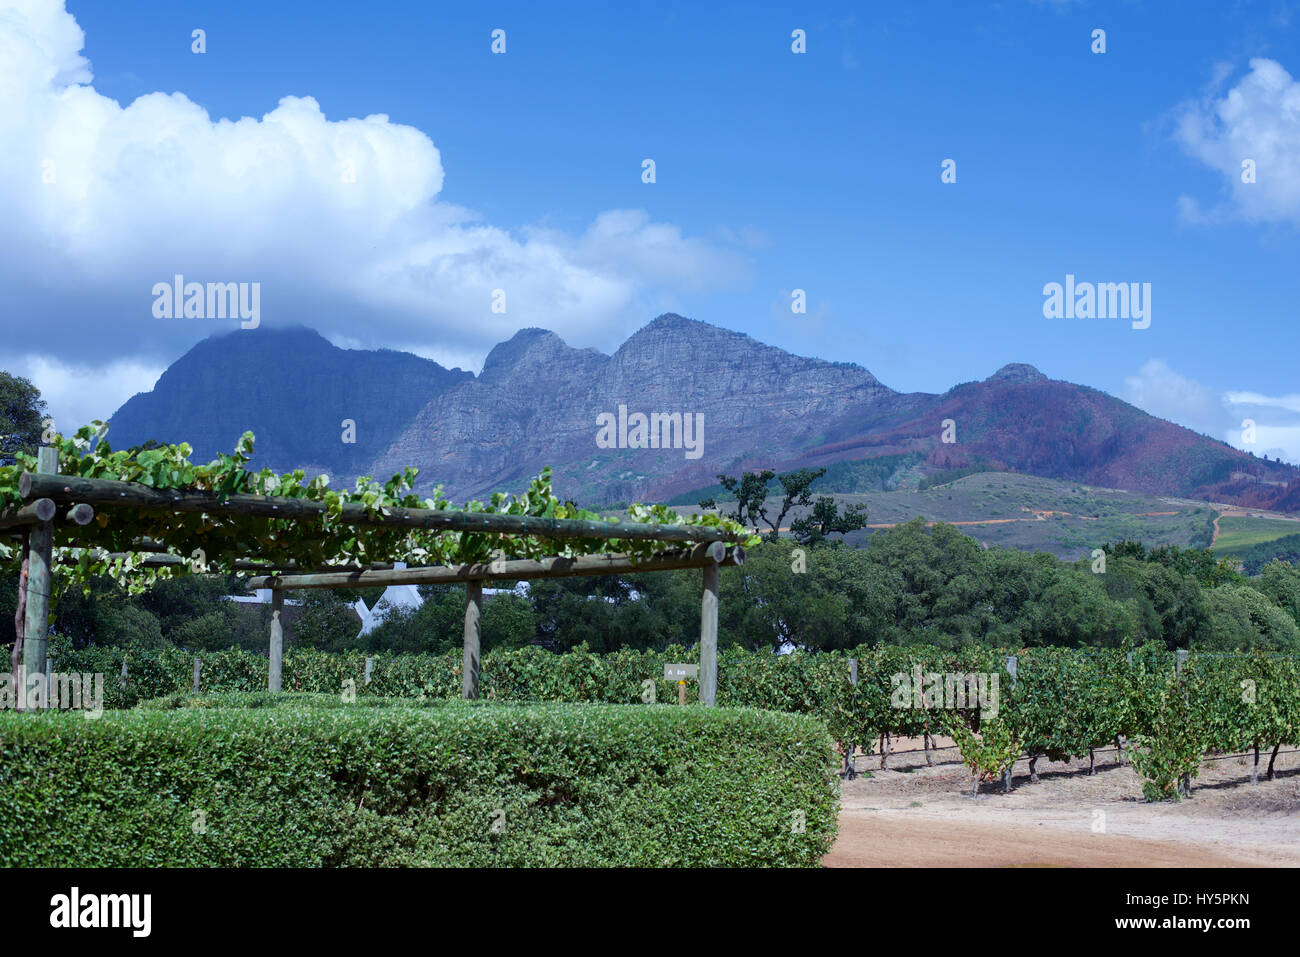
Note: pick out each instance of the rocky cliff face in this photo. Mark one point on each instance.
(293, 390)
(540, 402)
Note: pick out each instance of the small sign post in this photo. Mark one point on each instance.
(680, 673)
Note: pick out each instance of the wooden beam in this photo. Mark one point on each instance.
(45, 510)
(172, 561)
(41, 510)
(36, 623)
(159, 558)
(708, 679)
(105, 492)
(473, 639)
(714, 553)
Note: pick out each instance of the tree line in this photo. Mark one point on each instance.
(908, 585)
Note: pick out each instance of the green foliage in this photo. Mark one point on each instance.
(1242, 619)
(325, 621)
(21, 411)
(221, 540)
(1173, 747)
(826, 519)
(256, 780)
(750, 492)
(1064, 701)
(951, 475)
(991, 751)
(1202, 564)
(1257, 557)
(1241, 536)
(865, 475)
(1281, 583)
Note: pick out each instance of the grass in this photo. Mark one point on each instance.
(1095, 515)
(1236, 534)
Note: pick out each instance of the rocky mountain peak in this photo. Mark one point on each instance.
(1017, 372)
(532, 349)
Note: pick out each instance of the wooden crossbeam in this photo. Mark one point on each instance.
(41, 510)
(714, 553)
(62, 557)
(107, 493)
(45, 510)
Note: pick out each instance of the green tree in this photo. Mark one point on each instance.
(1242, 619)
(228, 625)
(21, 411)
(438, 625)
(325, 620)
(826, 519)
(751, 492)
(105, 617)
(1281, 583)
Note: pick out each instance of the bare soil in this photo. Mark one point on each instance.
(912, 815)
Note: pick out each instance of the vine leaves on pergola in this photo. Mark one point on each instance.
(112, 544)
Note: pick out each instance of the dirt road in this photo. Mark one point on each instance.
(914, 816)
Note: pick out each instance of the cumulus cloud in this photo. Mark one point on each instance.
(339, 220)
(1161, 391)
(1258, 119)
(76, 394)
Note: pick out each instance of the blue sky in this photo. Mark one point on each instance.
(775, 171)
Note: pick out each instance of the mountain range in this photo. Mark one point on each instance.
(539, 401)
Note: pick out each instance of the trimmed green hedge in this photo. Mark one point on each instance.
(302, 781)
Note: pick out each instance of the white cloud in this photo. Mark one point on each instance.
(339, 220)
(78, 394)
(1160, 390)
(1259, 120)
(1163, 392)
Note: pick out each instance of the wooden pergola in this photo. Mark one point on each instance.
(52, 499)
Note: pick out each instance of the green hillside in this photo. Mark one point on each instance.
(1239, 533)
(1004, 509)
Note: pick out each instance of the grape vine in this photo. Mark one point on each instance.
(213, 543)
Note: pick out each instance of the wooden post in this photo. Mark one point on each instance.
(681, 692)
(37, 618)
(20, 616)
(198, 666)
(709, 637)
(1180, 659)
(850, 757)
(49, 670)
(370, 667)
(1006, 773)
(518, 570)
(273, 680)
(473, 640)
